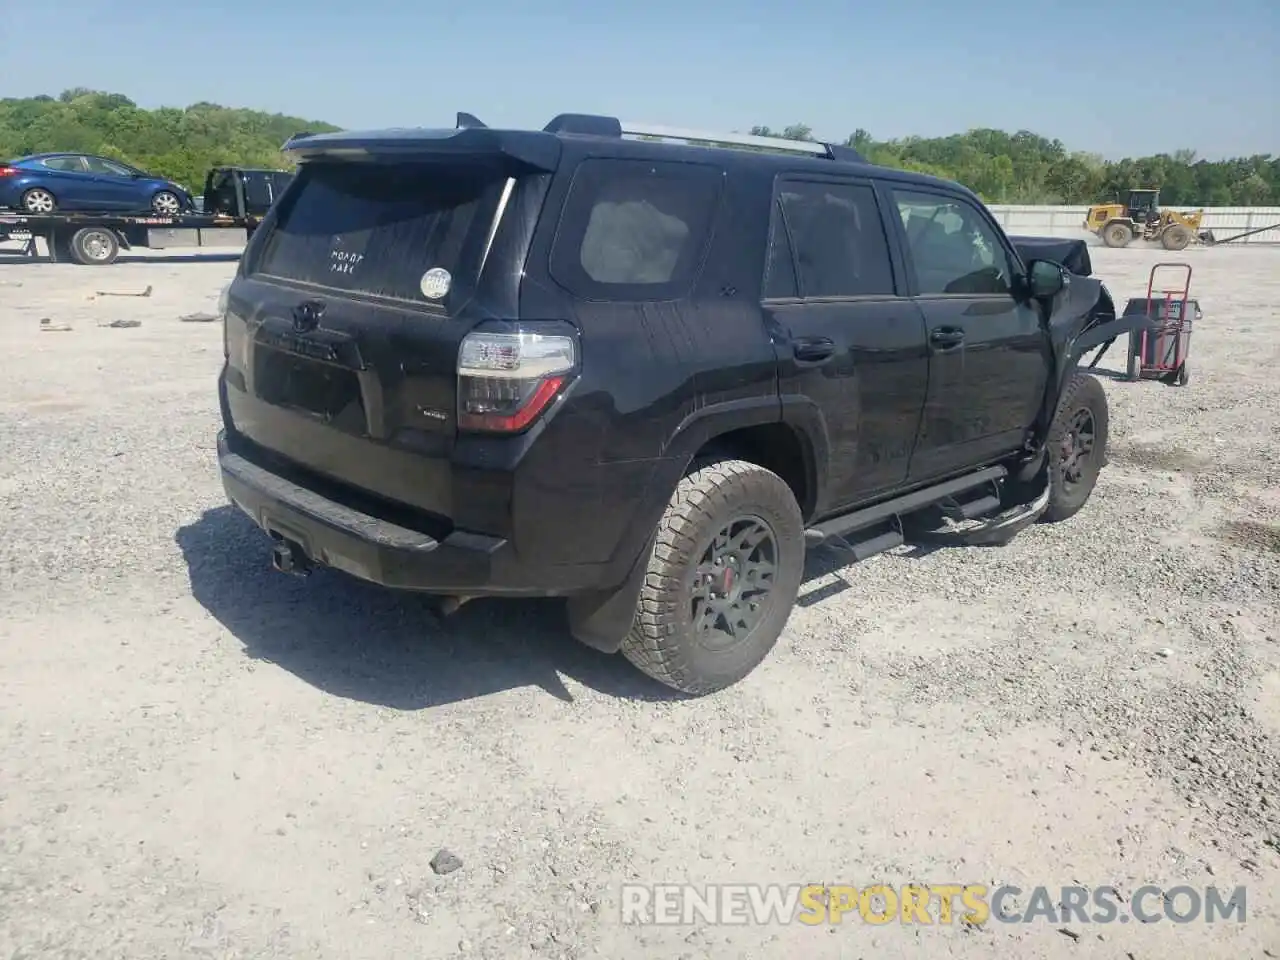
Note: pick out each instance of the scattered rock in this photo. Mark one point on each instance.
(122, 324)
(115, 293)
(1069, 933)
(1164, 652)
(445, 862)
(199, 317)
(48, 326)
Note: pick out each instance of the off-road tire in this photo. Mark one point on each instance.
(1116, 235)
(1175, 237)
(662, 641)
(1083, 392)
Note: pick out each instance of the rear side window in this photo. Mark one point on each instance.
(828, 240)
(635, 230)
(376, 229)
(68, 164)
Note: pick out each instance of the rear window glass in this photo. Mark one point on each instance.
(635, 230)
(375, 229)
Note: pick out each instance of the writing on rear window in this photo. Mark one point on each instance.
(343, 261)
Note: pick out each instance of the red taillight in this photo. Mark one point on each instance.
(8, 171)
(507, 380)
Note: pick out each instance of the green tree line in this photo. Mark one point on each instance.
(1002, 167)
(181, 144)
(1024, 167)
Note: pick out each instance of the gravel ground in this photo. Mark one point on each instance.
(199, 757)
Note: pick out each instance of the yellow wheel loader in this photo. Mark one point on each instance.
(1141, 218)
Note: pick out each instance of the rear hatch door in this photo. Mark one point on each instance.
(341, 348)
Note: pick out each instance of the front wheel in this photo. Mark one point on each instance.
(166, 204)
(1077, 446)
(722, 579)
(1175, 237)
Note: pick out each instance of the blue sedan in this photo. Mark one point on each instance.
(49, 182)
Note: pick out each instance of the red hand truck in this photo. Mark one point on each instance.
(1159, 350)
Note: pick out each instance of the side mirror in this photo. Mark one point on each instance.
(1045, 278)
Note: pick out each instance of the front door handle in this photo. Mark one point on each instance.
(946, 337)
(814, 349)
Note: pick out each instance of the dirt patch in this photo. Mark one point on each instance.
(1151, 457)
(52, 406)
(1251, 535)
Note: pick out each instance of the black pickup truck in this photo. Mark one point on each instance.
(234, 202)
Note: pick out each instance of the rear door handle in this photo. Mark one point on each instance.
(814, 349)
(946, 337)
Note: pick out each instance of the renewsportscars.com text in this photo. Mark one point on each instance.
(923, 904)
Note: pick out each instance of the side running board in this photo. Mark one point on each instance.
(872, 530)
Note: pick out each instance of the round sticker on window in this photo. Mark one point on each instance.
(435, 283)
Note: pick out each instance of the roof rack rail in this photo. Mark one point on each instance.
(597, 126)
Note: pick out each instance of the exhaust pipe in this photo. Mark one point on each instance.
(288, 557)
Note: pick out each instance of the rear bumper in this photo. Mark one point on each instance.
(334, 535)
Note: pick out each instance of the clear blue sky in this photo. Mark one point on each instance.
(1117, 77)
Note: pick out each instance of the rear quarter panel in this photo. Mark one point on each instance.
(653, 372)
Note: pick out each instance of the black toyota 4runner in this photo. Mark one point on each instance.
(588, 362)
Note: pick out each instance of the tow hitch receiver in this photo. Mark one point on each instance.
(288, 557)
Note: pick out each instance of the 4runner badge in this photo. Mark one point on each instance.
(435, 283)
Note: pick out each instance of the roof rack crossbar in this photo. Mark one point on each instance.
(739, 139)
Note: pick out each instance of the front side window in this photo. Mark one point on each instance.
(105, 167)
(635, 230)
(953, 248)
(828, 241)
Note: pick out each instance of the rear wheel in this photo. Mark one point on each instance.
(1175, 237)
(166, 204)
(722, 579)
(1077, 446)
(1116, 235)
(94, 246)
(37, 200)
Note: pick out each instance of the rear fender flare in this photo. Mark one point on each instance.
(602, 618)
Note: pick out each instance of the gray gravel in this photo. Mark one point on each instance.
(201, 758)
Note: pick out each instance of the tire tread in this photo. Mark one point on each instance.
(652, 644)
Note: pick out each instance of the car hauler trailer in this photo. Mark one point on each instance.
(235, 199)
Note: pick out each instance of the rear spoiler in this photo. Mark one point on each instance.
(538, 150)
